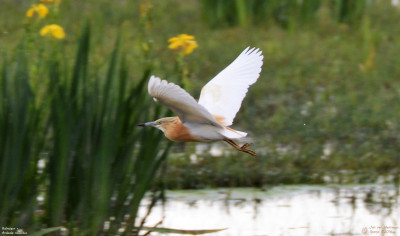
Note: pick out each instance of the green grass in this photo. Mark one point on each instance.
(312, 93)
(316, 89)
(285, 13)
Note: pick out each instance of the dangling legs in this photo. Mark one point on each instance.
(242, 148)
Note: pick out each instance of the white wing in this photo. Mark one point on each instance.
(223, 95)
(180, 102)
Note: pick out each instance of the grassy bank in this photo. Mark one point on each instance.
(325, 108)
(326, 86)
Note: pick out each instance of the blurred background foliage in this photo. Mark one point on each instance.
(286, 13)
(325, 109)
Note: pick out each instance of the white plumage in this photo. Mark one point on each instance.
(223, 95)
(180, 102)
(220, 100)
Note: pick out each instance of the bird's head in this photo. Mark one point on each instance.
(161, 124)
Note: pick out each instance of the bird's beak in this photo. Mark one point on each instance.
(152, 124)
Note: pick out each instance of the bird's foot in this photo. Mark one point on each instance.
(244, 148)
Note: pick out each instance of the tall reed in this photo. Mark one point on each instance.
(21, 141)
(97, 164)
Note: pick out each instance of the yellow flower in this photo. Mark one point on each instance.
(53, 31)
(183, 43)
(39, 9)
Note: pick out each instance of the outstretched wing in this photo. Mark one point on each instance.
(180, 102)
(223, 95)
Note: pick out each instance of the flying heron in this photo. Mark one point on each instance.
(208, 120)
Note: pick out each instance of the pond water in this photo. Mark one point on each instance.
(285, 210)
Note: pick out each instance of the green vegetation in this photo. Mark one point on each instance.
(285, 13)
(325, 109)
(71, 154)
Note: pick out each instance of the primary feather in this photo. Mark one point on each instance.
(180, 102)
(223, 95)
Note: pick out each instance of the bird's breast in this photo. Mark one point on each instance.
(205, 132)
(178, 132)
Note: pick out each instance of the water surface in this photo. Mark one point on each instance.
(286, 210)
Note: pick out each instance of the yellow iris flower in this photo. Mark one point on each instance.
(53, 31)
(39, 9)
(183, 43)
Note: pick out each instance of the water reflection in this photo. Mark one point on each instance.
(288, 210)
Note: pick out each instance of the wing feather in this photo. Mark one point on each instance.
(180, 102)
(223, 95)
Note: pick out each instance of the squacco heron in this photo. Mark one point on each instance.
(220, 99)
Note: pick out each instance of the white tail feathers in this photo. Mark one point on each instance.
(232, 134)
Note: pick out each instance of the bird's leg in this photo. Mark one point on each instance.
(242, 148)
